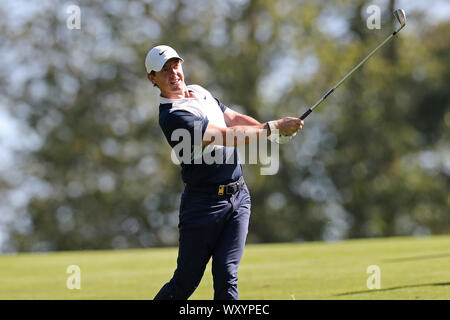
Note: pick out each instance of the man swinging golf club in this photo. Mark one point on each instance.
(215, 205)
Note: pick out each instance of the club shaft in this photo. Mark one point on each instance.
(304, 115)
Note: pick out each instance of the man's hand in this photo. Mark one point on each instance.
(283, 130)
(288, 126)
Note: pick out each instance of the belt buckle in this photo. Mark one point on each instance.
(221, 190)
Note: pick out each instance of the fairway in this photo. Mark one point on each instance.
(410, 268)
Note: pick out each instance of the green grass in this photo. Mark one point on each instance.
(411, 268)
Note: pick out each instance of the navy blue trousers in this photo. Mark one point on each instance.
(211, 226)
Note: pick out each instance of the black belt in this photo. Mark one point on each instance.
(222, 189)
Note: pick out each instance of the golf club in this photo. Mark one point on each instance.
(401, 18)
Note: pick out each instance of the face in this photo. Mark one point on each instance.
(170, 80)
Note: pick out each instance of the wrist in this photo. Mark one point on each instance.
(272, 127)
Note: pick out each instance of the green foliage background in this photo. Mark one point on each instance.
(94, 172)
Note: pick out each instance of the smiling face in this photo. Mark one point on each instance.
(170, 80)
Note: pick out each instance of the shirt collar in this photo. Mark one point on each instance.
(163, 100)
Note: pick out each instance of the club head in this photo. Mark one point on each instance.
(400, 15)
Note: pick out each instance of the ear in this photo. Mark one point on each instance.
(151, 78)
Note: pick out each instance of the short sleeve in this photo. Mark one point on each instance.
(221, 105)
(183, 120)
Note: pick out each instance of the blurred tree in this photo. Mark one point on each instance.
(388, 123)
(372, 162)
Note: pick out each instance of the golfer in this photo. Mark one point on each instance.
(215, 205)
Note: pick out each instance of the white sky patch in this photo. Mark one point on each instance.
(333, 23)
(436, 10)
(286, 71)
(9, 141)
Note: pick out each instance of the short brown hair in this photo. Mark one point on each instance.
(152, 73)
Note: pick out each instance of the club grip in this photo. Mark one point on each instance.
(305, 114)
